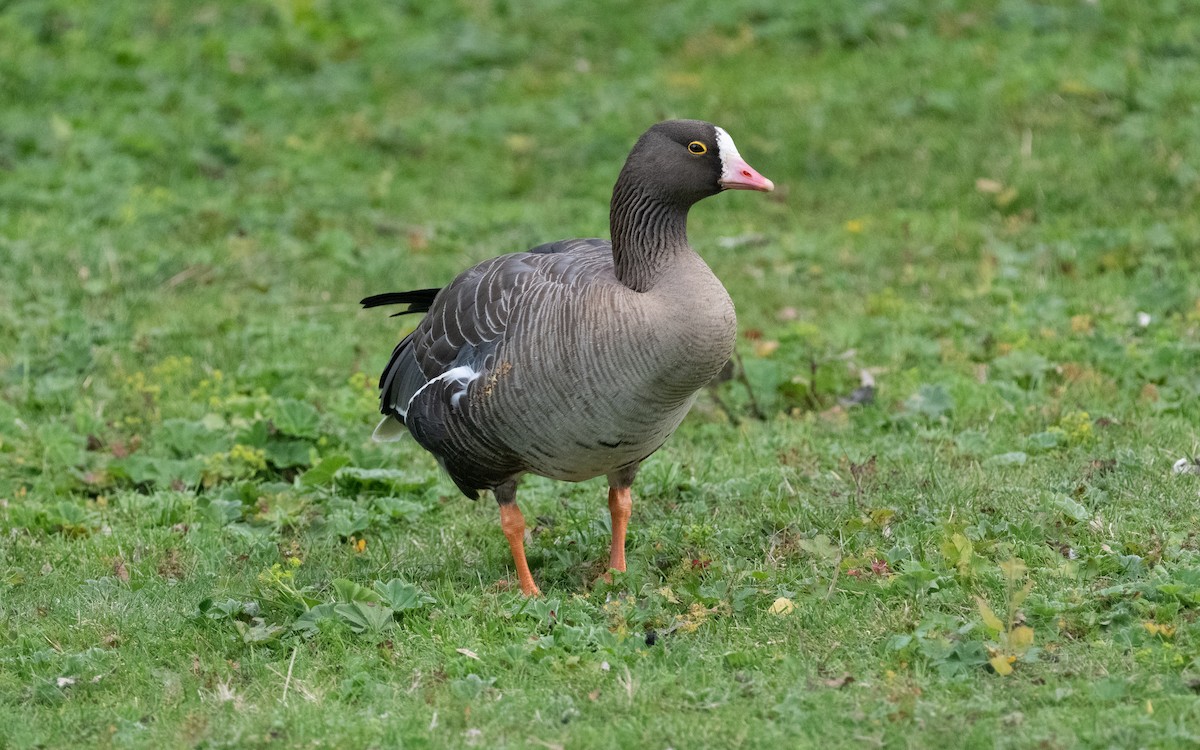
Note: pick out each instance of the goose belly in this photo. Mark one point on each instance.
(576, 447)
(580, 427)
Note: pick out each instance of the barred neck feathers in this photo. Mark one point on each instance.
(647, 232)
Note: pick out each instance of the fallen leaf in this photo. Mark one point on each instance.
(989, 617)
(1160, 629)
(986, 185)
(765, 347)
(120, 571)
(782, 607)
(1020, 638)
(839, 682)
(63, 682)
(468, 653)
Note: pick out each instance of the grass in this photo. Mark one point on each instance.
(989, 207)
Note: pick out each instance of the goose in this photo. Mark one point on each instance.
(577, 358)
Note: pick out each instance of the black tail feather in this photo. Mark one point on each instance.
(418, 300)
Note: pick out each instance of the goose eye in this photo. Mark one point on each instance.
(696, 147)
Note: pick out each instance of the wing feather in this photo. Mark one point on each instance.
(468, 319)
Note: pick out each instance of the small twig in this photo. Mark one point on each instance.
(837, 568)
(287, 681)
(813, 366)
(741, 376)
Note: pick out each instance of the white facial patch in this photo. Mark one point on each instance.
(728, 151)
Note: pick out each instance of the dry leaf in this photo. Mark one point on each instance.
(468, 653)
(1020, 638)
(986, 185)
(782, 607)
(989, 617)
(839, 682)
(1019, 596)
(120, 571)
(1014, 568)
(765, 348)
(1154, 628)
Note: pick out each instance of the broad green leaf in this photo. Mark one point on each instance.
(187, 439)
(471, 686)
(399, 508)
(364, 617)
(820, 546)
(348, 522)
(61, 446)
(309, 622)
(288, 453)
(1071, 509)
(345, 590)
(932, 401)
(392, 481)
(257, 631)
(161, 472)
(1048, 440)
(323, 472)
(295, 418)
(1015, 458)
(990, 619)
(401, 595)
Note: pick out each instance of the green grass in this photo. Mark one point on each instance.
(992, 207)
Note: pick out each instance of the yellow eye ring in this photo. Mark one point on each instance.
(696, 147)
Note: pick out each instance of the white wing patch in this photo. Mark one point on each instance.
(461, 376)
(389, 430)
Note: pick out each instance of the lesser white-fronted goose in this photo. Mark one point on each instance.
(578, 358)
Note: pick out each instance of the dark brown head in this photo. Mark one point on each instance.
(683, 161)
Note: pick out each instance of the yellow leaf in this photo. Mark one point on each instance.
(1162, 629)
(782, 606)
(1001, 664)
(1014, 569)
(1020, 638)
(764, 348)
(989, 617)
(1019, 596)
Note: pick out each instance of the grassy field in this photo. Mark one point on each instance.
(991, 208)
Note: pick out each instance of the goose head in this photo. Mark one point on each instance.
(684, 161)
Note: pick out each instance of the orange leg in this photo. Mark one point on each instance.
(620, 504)
(513, 524)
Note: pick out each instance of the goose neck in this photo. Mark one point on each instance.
(648, 234)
